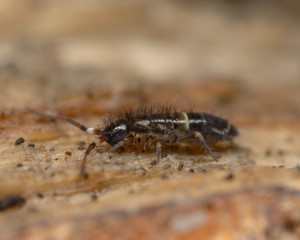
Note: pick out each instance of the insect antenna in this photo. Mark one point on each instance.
(69, 120)
(95, 131)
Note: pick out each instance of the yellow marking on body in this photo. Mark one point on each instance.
(185, 123)
(228, 127)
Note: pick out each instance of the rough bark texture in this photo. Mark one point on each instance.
(85, 59)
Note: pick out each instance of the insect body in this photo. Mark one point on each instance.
(160, 126)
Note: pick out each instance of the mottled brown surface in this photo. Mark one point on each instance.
(236, 59)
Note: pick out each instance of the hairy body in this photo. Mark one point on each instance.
(162, 125)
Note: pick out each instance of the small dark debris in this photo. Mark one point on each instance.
(94, 197)
(144, 170)
(2, 114)
(52, 149)
(68, 153)
(268, 152)
(85, 175)
(191, 170)
(180, 166)
(56, 159)
(31, 169)
(164, 177)
(166, 166)
(19, 141)
(120, 149)
(89, 94)
(40, 195)
(280, 152)
(31, 145)
(100, 150)
(81, 147)
(229, 176)
(163, 155)
(33, 210)
(19, 164)
(209, 206)
(54, 194)
(153, 163)
(291, 225)
(11, 201)
(12, 67)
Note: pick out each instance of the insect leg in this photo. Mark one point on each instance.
(158, 152)
(116, 146)
(83, 174)
(199, 136)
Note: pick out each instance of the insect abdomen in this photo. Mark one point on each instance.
(181, 123)
(211, 126)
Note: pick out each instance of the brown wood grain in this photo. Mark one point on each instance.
(101, 65)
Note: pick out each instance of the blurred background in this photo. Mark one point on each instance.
(55, 48)
(238, 59)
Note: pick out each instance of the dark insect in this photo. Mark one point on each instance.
(164, 125)
(19, 141)
(11, 201)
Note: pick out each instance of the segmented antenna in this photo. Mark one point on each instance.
(69, 120)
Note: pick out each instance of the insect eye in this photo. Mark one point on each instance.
(116, 133)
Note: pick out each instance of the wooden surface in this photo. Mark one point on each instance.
(253, 192)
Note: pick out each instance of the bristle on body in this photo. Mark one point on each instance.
(160, 125)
